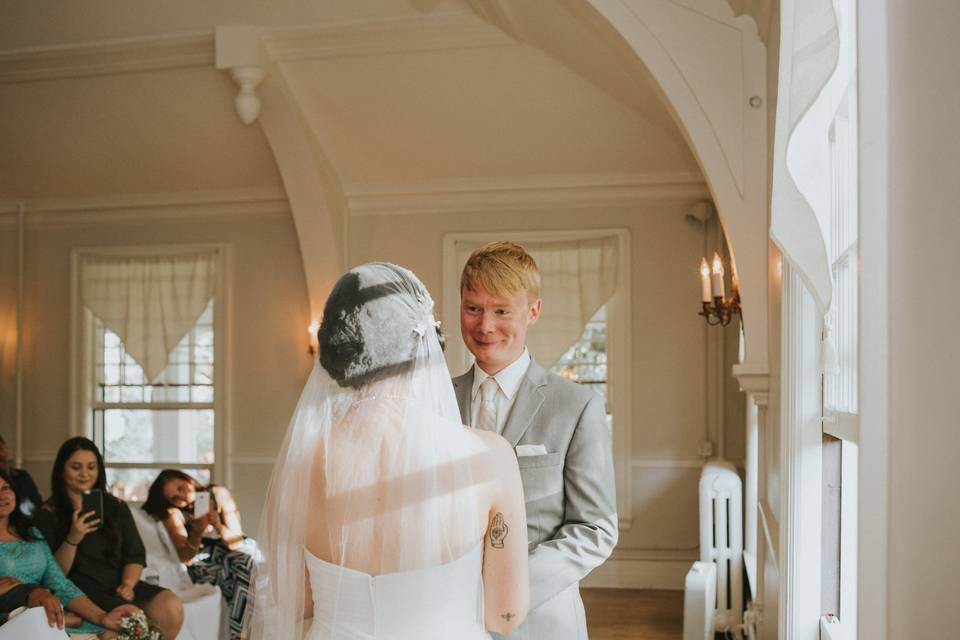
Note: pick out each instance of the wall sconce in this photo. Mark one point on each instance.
(313, 342)
(717, 308)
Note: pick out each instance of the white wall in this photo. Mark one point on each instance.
(924, 348)
(268, 359)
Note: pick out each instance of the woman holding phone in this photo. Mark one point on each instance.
(104, 556)
(204, 526)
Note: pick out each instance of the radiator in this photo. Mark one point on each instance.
(721, 539)
(699, 600)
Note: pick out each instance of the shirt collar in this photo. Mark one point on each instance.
(508, 378)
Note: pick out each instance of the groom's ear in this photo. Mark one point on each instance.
(535, 310)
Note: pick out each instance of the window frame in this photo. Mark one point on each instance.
(83, 363)
(842, 421)
(619, 349)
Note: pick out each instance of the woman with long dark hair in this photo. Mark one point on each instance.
(212, 544)
(29, 575)
(104, 558)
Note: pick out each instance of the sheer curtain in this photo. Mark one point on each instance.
(150, 302)
(577, 277)
(817, 65)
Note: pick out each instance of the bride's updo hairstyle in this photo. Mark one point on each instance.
(373, 322)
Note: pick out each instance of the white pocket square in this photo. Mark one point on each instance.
(524, 450)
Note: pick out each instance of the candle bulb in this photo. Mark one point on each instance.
(312, 338)
(704, 280)
(717, 278)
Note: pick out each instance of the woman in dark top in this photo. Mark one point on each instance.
(104, 559)
(212, 546)
(32, 578)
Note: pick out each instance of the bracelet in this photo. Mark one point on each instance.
(72, 544)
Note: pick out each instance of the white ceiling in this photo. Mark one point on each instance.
(560, 101)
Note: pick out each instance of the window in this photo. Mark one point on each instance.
(148, 361)
(585, 361)
(841, 404)
(142, 426)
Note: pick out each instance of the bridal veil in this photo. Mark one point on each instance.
(374, 473)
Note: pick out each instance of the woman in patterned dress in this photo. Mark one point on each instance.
(213, 545)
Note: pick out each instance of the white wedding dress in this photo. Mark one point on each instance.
(445, 601)
(381, 480)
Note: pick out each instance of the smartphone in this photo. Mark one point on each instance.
(93, 501)
(201, 504)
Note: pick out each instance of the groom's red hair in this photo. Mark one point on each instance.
(501, 268)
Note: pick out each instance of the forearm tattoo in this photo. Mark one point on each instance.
(498, 531)
(508, 616)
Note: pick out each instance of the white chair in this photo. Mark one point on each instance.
(202, 603)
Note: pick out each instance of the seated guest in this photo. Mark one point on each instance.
(24, 485)
(211, 545)
(32, 578)
(105, 559)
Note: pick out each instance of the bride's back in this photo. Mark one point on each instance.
(397, 488)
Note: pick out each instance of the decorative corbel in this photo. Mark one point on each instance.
(247, 102)
(238, 52)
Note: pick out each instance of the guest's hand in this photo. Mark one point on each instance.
(117, 614)
(125, 591)
(83, 523)
(7, 583)
(199, 525)
(71, 620)
(40, 597)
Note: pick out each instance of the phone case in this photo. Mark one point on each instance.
(93, 501)
(201, 505)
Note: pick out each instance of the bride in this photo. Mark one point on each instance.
(385, 516)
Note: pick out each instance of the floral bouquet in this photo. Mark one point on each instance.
(138, 627)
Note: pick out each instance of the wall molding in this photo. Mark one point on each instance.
(424, 32)
(500, 14)
(559, 192)
(65, 212)
(193, 49)
(667, 463)
(237, 460)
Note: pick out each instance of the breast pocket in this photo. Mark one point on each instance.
(542, 475)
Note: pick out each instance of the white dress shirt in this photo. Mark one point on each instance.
(508, 379)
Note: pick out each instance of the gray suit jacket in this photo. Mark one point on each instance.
(569, 494)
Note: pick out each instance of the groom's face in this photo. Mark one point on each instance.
(494, 327)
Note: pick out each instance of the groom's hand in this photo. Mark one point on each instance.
(498, 531)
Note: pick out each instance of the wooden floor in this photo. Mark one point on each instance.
(615, 614)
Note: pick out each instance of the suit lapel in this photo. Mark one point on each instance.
(462, 386)
(526, 404)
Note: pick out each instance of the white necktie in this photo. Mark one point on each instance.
(487, 415)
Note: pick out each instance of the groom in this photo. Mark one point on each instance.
(557, 428)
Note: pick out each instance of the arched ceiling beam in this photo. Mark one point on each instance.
(313, 187)
(711, 68)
